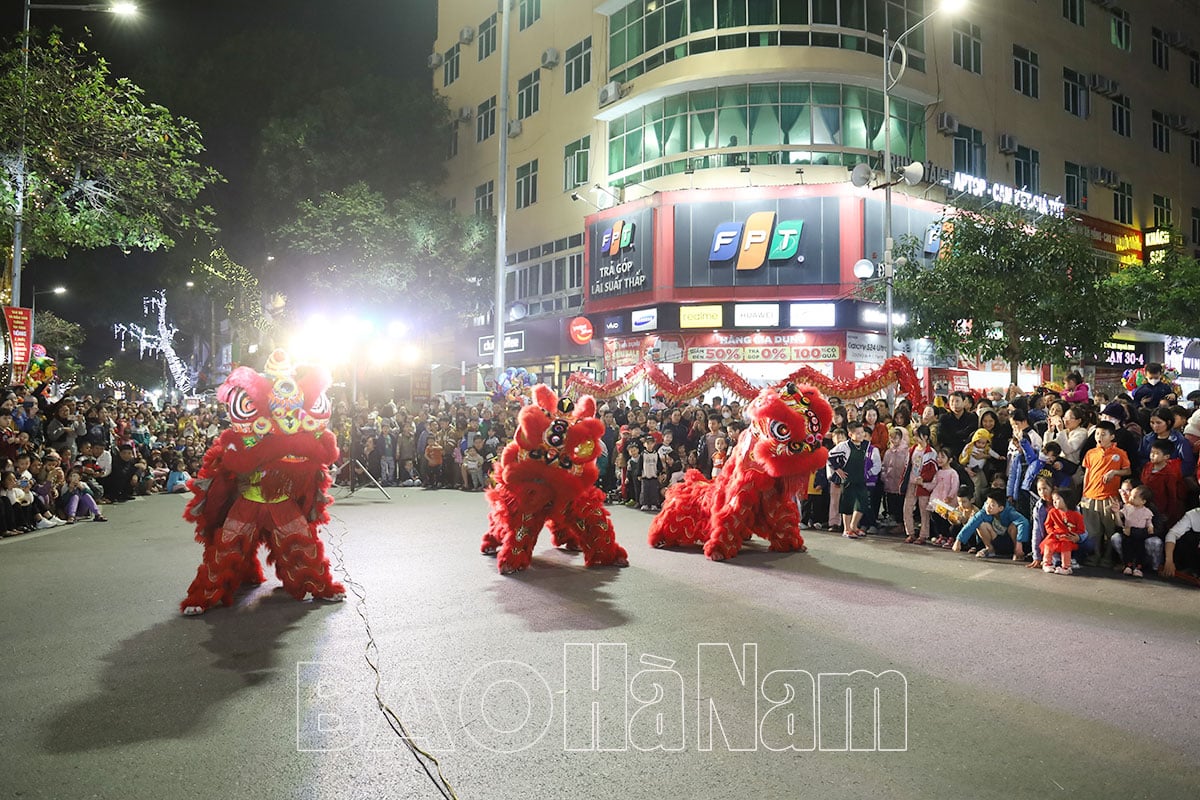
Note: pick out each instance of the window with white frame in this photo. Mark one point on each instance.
(528, 94)
(1123, 203)
(487, 37)
(968, 46)
(1120, 31)
(527, 184)
(485, 194)
(577, 71)
(970, 153)
(1160, 134)
(1075, 93)
(1028, 169)
(1122, 116)
(1162, 211)
(485, 120)
(1195, 226)
(450, 66)
(576, 164)
(1073, 11)
(1076, 186)
(1025, 71)
(1159, 49)
(530, 12)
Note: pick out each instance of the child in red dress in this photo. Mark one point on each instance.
(1063, 529)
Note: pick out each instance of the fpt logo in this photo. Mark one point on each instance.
(617, 238)
(758, 240)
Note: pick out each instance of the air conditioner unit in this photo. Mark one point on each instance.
(1103, 176)
(465, 113)
(610, 93)
(1008, 143)
(1179, 122)
(515, 126)
(435, 60)
(947, 123)
(1178, 39)
(550, 58)
(1106, 86)
(466, 35)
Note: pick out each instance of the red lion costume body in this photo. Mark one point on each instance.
(547, 476)
(263, 482)
(755, 492)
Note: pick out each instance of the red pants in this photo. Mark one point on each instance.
(231, 557)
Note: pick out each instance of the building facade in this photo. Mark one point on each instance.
(651, 143)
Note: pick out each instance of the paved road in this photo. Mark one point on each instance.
(994, 682)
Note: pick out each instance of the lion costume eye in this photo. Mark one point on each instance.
(241, 408)
(780, 431)
(557, 434)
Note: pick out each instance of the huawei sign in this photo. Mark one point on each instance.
(580, 330)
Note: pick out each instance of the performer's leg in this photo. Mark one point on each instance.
(684, 518)
(516, 548)
(730, 525)
(565, 532)
(499, 501)
(223, 568)
(299, 556)
(782, 518)
(596, 534)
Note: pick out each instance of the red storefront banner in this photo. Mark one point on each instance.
(19, 326)
(725, 348)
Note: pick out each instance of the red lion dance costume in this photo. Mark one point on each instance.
(547, 476)
(756, 490)
(263, 483)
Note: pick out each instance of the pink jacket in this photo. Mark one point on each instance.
(945, 487)
(1080, 394)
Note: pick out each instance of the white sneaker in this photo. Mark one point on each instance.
(1137, 573)
(1127, 571)
(42, 524)
(1048, 568)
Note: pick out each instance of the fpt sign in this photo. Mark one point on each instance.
(617, 238)
(620, 255)
(758, 240)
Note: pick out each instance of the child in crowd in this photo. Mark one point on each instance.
(1162, 476)
(921, 469)
(975, 457)
(177, 478)
(719, 456)
(943, 499)
(435, 454)
(1137, 523)
(78, 500)
(837, 436)
(1041, 509)
(407, 474)
(472, 464)
(960, 513)
(1050, 465)
(633, 474)
(895, 468)
(651, 487)
(1064, 527)
(814, 509)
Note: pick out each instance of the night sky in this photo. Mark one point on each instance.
(157, 50)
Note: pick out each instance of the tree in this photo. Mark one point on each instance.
(128, 367)
(412, 255)
(1162, 296)
(59, 336)
(1005, 285)
(102, 166)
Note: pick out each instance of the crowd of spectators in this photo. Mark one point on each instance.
(1054, 478)
(1057, 478)
(61, 460)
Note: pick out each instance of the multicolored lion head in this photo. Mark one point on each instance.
(786, 430)
(560, 433)
(278, 419)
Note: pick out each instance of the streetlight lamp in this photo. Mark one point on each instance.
(33, 306)
(889, 83)
(123, 9)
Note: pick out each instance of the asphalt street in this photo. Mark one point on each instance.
(673, 678)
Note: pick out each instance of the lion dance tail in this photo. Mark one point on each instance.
(684, 518)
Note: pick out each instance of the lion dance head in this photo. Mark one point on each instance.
(278, 420)
(786, 429)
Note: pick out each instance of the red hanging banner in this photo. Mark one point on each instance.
(19, 327)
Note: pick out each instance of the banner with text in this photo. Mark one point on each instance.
(18, 323)
(620, 254)
(725, 348)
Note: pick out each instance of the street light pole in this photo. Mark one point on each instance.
(889, 83)
(506, 9)
(123, 9)
(33, 307)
